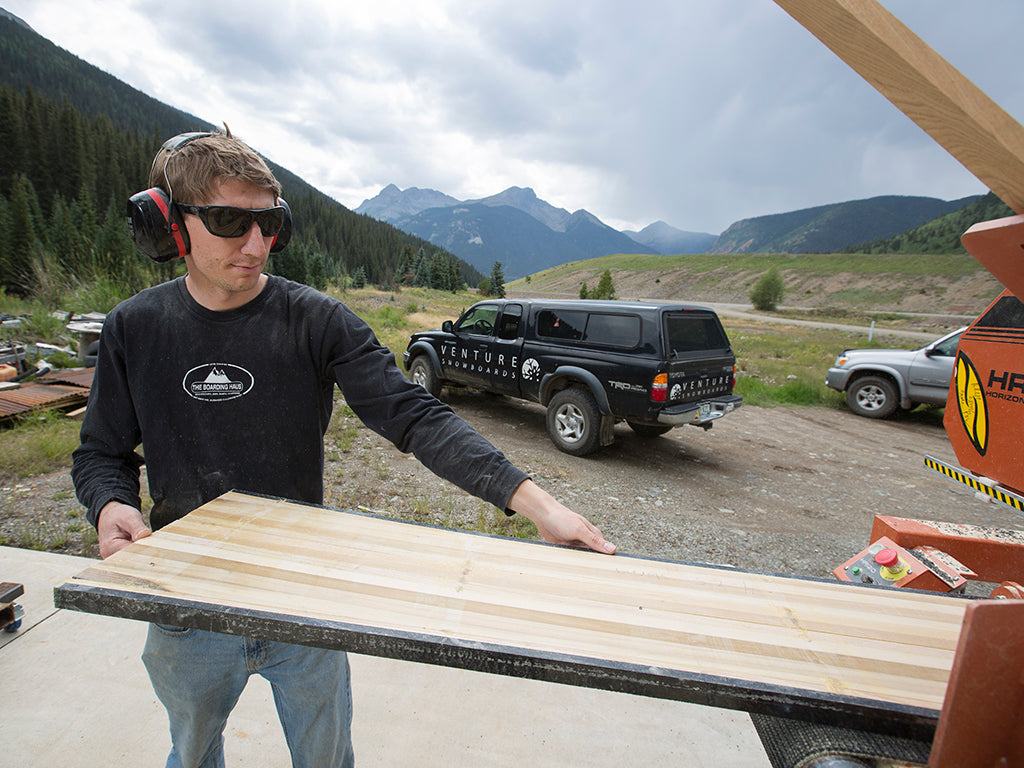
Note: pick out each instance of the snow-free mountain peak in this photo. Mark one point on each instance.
(392, 203)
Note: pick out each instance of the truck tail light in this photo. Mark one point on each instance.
(733, 385)
(659, 388)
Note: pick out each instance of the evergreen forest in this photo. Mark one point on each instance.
(77, 143)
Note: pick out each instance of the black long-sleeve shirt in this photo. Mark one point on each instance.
(241, 400)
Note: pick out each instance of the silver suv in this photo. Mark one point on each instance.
(878, 381)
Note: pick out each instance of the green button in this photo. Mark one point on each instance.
(856, 571)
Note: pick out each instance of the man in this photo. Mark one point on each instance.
(225, 378)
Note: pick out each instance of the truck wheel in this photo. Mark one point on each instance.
(873, 397)
(574, 422)
(648, 430)
(422, 372)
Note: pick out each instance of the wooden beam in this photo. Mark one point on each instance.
(871, 657)
(924, 86)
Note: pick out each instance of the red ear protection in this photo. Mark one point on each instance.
(156, 224)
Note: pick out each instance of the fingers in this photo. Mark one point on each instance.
(119, 525)
(119, 538)
(599, 544)
(579, 532)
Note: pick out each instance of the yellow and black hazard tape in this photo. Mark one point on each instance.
(994, 491)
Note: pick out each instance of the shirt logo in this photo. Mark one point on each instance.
(214, 382)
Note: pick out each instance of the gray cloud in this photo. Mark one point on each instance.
(696, 112)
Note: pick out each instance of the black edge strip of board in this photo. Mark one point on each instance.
(708, 690)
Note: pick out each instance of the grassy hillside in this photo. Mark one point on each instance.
(955, 284)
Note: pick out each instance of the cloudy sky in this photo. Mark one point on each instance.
(695, 112)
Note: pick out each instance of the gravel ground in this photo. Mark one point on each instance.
(784, 490)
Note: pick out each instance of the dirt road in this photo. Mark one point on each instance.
(786, 490)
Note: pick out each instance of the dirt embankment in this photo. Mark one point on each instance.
(964, 296)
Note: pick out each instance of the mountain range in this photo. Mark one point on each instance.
(829, 228)
(527, 234)
(515, 227)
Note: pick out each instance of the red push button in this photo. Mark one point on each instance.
(887, 558)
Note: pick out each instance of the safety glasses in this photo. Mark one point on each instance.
(228, 221)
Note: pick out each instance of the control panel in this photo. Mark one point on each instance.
(887, 564)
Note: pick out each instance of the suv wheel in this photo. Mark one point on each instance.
(422, 372)
(574, 421)
(648, 430)
(873, 397)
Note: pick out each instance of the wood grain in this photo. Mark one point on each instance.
(817, 649)
(924, 86)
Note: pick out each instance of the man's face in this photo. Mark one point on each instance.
(227, 272)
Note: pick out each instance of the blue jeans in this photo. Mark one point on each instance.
(198, 677)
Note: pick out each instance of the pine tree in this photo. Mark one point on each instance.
(5, 235)
(115, 252)
(421, 270)
(61, 237)
(359, 278)
(21, 237)
(455, 281)
(605, 288)
(497, 280)
(316, 267)
(12, 138)
(438, 271)
(404, 272)
(289, 264)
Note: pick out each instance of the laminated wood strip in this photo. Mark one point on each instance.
(821, 650)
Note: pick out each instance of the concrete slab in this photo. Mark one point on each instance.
(76, 693)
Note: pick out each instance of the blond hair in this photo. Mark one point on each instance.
(187, 173)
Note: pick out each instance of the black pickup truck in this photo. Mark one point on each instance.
(591, 363)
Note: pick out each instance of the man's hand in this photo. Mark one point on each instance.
(556, 522)
(118, 526)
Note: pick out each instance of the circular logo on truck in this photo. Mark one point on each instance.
(531, 369)
(217, 381)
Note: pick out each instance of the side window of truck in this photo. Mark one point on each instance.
(613, 330)
(479, 320)
(511, 317)
(561, 324)
(948, 347)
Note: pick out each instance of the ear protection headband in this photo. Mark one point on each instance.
(156, 225)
